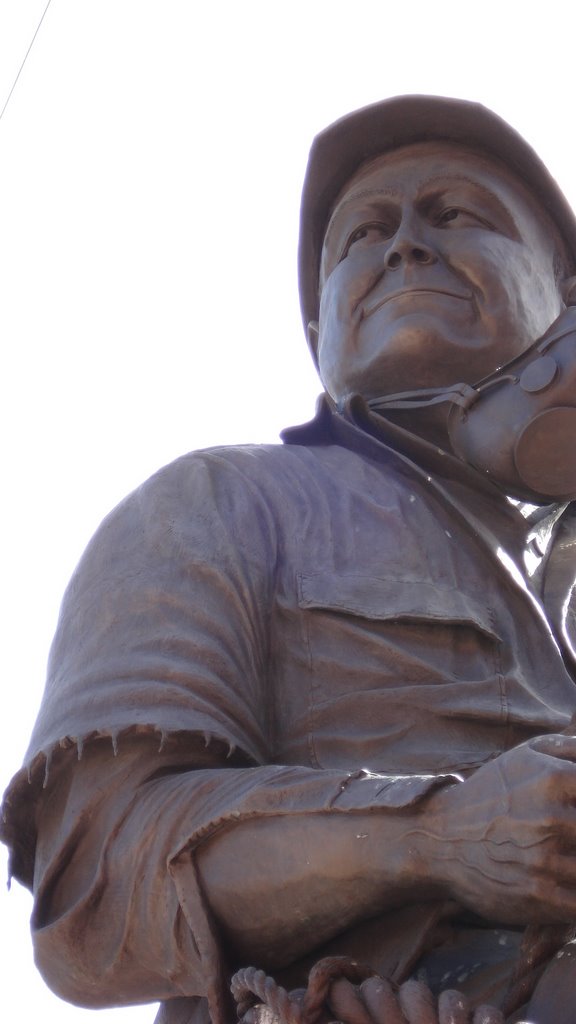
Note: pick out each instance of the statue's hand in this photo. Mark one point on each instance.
(503, 843)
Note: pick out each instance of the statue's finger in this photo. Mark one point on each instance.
(380, 999)
(453, 1008)
(417, 1003)
(556, 744)
(347, 1004)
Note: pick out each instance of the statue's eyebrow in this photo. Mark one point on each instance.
(363, 193)
(442, 182)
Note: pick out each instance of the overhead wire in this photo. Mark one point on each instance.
(20, 69)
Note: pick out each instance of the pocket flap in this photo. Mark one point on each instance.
(395, 600)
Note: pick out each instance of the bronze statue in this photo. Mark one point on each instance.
(309, 705)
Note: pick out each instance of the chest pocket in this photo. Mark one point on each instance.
(402, 666)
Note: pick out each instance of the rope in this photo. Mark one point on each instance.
(250, 986)
(320, 981)
(20, 69)
(250, 982)
(332, 987)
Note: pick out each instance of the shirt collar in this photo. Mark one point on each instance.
(354, 426)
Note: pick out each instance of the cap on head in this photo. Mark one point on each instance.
(340, 149)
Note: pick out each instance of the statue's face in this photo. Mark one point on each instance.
(437, 267)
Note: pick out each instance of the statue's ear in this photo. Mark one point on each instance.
(313, 337)
(568, 291)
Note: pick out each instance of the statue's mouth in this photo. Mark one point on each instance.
(368, 309)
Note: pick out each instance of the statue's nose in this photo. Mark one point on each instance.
(408, 247)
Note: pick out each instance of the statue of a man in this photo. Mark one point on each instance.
(312, 699)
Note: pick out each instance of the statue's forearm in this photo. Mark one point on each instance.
(281, 886)
(498, 843)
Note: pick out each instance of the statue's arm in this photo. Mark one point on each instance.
(149, 869)
(138, 853)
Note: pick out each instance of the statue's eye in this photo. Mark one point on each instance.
(366, 235)
(447, 215)
(460, 218)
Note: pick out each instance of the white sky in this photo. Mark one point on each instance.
(151, 161)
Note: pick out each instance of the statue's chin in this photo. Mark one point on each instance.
(404, 360)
